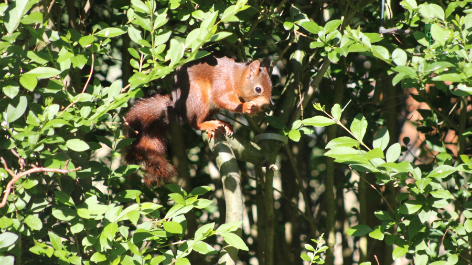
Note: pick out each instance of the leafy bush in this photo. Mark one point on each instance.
(48, 119)
(430, 222)
(69, 200)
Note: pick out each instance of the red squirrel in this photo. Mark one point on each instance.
(200, 89)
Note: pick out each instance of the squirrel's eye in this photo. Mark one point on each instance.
(258, 89)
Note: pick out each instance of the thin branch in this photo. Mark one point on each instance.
(262, 18)
(16, 177)
(85, 86)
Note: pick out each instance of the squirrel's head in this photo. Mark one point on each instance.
(257, 84)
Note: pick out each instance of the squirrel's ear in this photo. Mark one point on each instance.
(266, 64)
(254, 68)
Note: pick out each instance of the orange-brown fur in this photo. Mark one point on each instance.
(200, 89)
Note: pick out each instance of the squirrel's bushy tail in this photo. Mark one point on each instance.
(148, 121)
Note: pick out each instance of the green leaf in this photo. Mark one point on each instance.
(311, 26)
(452, 259)
(440, 262)
(7, 239)
(175, 188)
(468, 225)
(160, 21)
(134, 249)
(383, 216)
(77, 145)
(316, 44)
(430, 11)
(439, 34)
(344, 153)
(204, 248)
(56, 241)
(377, 233)
(380, 52)
(357, 48)
(381, 138)
(182, 261)
(34, 222)
(422, 183)
(408, 71)
(86, 41)
(374, 154)
(440, 204)
(176, 51)
(399, 56)
(29, 183)
(421, 259)
(35, 17)
(43, 72)
(294, 135)
(64, 213)
(466, 159)
(76, 227)
(442, 194)
(332, 25)
(15, 12)
(234, 240)
(134, 34)
(305, 257)
(399, 252)
(162, 38)
(7, 260)
(451, 77)
(229, 227)
(336, 111)
(359, 230)
(5, 222)
(410, 207)
(28, 81)
(173, 227)
(202, 203)
(359, 126)
(220, 35)
(110, 230)
(157, 260)
(229, 14)
(178, 198)
(204, 231)
(393, 152)
(288, 25)
(14, 113)
(110, 32)
(200, 190)
(342, 141)
(318, 121)
(98, 257)
(438, 66)
(333, 56)
(442, 172)
(64, 198)
(127, 195)
(11, 89)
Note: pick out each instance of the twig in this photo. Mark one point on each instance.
(21, 161)
(373, 187)
(125, 88)
(16, 177)
(85, 86)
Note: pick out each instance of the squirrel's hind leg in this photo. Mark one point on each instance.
(215, 125)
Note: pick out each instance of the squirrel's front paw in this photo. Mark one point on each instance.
(250, 108)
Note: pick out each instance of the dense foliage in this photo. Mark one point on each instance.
(70, 70)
